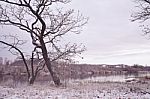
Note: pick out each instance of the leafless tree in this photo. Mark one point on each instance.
(142, 14)
(46, 25)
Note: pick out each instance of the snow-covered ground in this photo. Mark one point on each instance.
(78, 90)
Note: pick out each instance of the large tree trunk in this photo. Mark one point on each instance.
(54, 76)
(31, 81)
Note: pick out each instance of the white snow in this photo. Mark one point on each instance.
(78, 90)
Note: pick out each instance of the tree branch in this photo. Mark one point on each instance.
(13, 3)
(24, 60)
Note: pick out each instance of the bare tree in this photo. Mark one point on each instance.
(46, 26)
(142, 14)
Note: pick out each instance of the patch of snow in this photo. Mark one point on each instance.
(78, 90)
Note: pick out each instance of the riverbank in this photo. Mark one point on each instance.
(78, 90)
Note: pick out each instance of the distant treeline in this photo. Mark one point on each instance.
(16, 71)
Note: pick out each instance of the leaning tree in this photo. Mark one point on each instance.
(142, 14)
(46, 24)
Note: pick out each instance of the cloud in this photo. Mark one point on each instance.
(109, 35)
(127, 53)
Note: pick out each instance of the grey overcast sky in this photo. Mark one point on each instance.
(110, 36)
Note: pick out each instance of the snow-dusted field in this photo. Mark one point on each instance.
(78, 90)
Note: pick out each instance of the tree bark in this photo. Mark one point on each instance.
(54, 76)
(31, 81)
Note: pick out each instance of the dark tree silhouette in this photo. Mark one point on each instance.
(142, 14)
(46, 26)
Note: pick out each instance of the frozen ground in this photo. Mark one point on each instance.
(78, 90)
